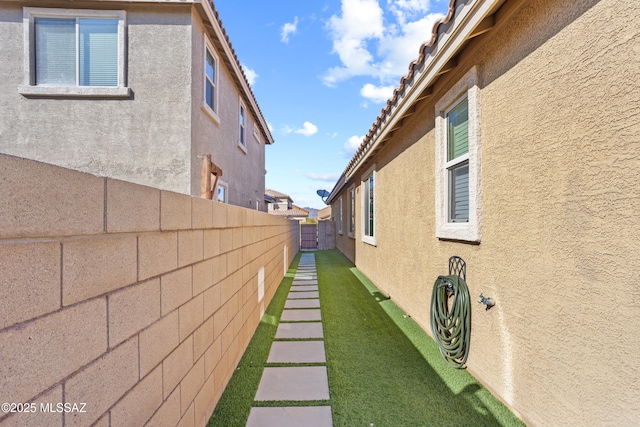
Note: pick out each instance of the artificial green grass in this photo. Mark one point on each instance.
(383, 368)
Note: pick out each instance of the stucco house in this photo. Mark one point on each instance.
(283, 206)
(512, 143)
(137, 91)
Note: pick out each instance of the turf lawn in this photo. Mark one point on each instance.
(383, 368)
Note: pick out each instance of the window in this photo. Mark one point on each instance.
(223, 189)
(352, 212)
(243, 126)
(368, 208)
(210, 104)
(458, 188)
(340, 216)
(74, 52)
(458, 162)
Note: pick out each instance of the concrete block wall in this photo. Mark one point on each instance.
(133, 303)
(326, 235)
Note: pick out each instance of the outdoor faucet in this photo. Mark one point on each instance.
(489, 302)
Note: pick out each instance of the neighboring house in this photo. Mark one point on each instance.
(281, 201)
(513, 143)
(324, 214)
(132, 90)
(283, 206)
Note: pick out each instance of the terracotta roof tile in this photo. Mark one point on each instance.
(277, 194)
(237, 61)
(425, 49)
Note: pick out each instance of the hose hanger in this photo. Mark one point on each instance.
(451, 314)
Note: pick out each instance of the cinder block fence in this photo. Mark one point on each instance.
(132, 303)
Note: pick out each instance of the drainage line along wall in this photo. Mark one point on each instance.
(133, 303)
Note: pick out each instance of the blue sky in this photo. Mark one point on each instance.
(321, 71)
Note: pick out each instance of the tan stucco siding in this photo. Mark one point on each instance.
(560, 173)
(345, 242)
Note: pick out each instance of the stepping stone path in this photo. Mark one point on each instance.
(298, 344)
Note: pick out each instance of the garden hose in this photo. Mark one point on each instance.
(451, 323)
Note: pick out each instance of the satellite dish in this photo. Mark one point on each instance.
(323, 195)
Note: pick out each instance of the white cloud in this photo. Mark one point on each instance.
(361, 21)
(352, 144)
(328, 177)
(250, 74)
(408, 9)
(377, 94)
(371, 44)
(288, 29)
(308, 129)
(400, 49)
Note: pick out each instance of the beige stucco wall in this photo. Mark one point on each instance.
(244, 171)
(155, 137)
(560, 174)
(145, 139)
(134, 301)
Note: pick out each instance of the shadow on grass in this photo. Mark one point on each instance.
(383, 368)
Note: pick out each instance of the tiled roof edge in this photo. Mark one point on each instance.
(227, 40)
(386, 110)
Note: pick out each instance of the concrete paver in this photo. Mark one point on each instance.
(300, 320)
(300, 288)
(297, 352)
(305, 282)
(299, 295)
(296, 416)
(302, 303)
(294, 383)
(297, 315)
(302, 330)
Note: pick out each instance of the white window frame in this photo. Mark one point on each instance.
(256, 133)
(340, 215)
(242, 143)
(351, 199)
(29, 88)
(369, 239)
(224, 185)
(211, 112)
(466, 87)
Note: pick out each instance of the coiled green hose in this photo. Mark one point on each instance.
(451, 323)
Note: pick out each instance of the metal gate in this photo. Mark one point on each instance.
(308, 236)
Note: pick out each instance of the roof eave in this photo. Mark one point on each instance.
(207, 7)
(465, 21)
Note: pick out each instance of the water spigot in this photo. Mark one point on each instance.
(489, 302)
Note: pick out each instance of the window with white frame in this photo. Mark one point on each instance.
(352, 211)
(74, 52)
(210, 105)
(458, 190)
(368, 207)
(243, 125)
(222, 191)
(340, 216)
